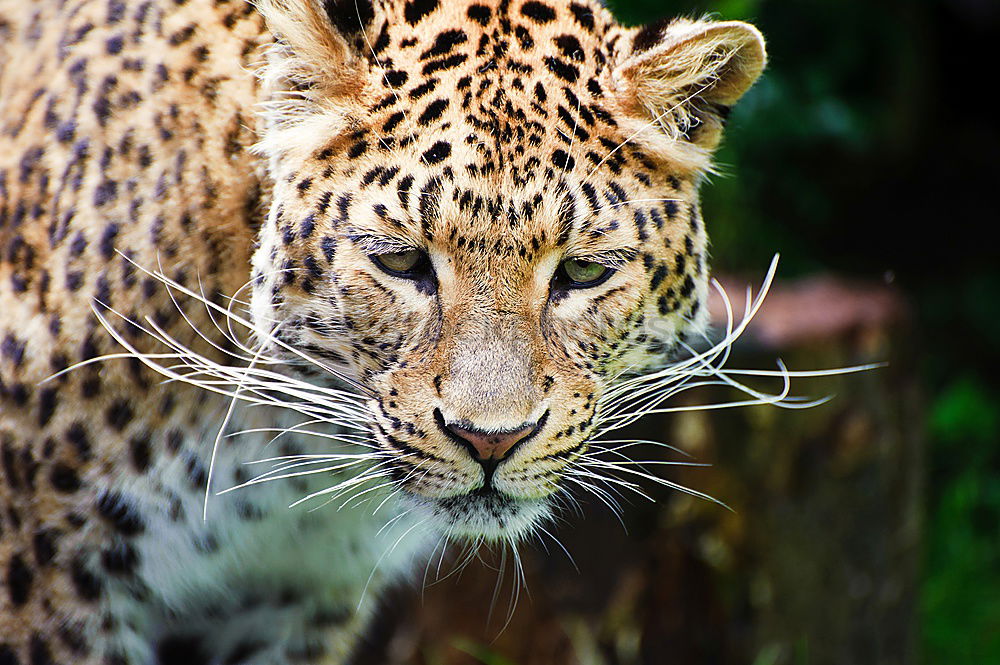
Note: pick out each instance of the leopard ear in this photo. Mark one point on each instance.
(319, 42)
(315, 72)
(683, 77)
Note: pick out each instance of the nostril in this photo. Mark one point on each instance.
(485, 445)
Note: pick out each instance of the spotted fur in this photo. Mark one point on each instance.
(287, 142)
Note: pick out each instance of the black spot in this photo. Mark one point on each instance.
(433, 111)
(329, 247)
(437, 152)
(44, 545)
(396, 78)
(105, 192)
(687, 287)
(87, 586)
(46, 405)
(74, 280)
(73, 636)
(139, 452)
(403, 191)
(382, 41)
(174, 440)
(197, 474)
(444, 43)
(415, 10)
(563, 160)
(670, 207)
(570, 47)
(584, 15)
(312, 265)
(108, 240)
(120, 559)
(479, 13)
(38, 651)
(66, 131)
(538, 12)
(392, 122)
(64, 478)
(563, 70)
(649, 36)
(658, 276)
(114, 44)
(116, 510)
(119, 414)
(357, 149)
(19, 580)
(540, 93)
(7, 656)
(423, 89)
(307, 226)
(13, 349)
(10, 467)
(387, 175)
(343, 204)
(90, 387)
(78, 245)
(524, 38)
(444, 63)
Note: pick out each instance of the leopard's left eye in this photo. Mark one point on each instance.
(582, 274)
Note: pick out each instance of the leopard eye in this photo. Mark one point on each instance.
(580, 273)
(400, 264)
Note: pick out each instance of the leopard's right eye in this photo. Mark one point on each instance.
(397, 263)
(411, 264)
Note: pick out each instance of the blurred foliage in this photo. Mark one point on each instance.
(866, 150)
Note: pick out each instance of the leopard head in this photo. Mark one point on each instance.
(485, 213)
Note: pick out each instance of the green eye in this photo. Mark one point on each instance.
(399, 262)
(582, 273)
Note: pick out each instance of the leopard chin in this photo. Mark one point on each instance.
(485, 514)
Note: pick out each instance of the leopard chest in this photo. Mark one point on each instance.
(255, 568)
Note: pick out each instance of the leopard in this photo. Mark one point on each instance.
(293, 291)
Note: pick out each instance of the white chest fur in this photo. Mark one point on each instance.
(253, 565)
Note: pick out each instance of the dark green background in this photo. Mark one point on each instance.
(869, 149)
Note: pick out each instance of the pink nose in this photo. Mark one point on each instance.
(491, 445)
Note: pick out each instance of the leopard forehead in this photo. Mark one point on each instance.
(503, 99)
(475, 125)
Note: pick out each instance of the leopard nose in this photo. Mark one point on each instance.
(485, 445)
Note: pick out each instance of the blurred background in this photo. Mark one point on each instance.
(866, 530)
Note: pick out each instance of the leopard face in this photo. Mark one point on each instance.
(485, 213)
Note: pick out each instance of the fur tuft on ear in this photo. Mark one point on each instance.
(684, 76)
(314, 70)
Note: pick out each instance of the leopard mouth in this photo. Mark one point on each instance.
(485, 513)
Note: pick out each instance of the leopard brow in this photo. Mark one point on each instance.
(612, 258)
(370, 243)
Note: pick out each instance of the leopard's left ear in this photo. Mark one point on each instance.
(683, 77)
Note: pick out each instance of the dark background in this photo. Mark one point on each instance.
(869, 150)
(863, 531)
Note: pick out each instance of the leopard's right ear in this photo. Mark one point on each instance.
(320, 44)
(316, 71)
